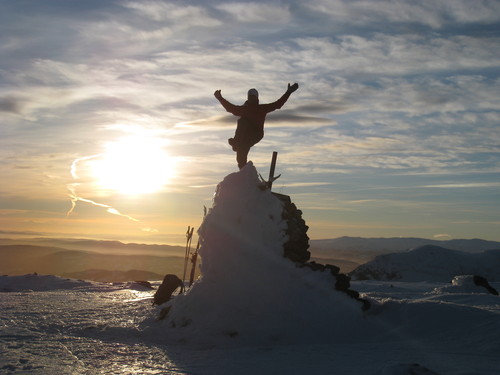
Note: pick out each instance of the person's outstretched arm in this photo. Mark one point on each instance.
(281, 101)
(230, 107)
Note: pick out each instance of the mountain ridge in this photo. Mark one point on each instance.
(361, 249)
(346, 252)
(430, 263)
(27, 259)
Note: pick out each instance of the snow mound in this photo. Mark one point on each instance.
(248, 291)
(430, 263)
(464, 284)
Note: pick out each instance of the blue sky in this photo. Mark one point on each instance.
(394, 130)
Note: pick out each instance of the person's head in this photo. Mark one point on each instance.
(253, 96)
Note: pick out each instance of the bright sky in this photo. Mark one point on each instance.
(110, 130)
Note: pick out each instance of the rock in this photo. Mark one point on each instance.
(334, 270)
(168, 286)
(343, 284)
(296, 247)
(145, 284)
(481, 281)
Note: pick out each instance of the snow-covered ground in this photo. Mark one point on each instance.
(252, 312)
(77, 327)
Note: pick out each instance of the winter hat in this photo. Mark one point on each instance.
(253, 92)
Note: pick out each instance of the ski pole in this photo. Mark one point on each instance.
(189, 236)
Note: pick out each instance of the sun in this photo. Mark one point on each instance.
(133, 165)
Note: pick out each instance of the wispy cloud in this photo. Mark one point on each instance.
(389, 90)
(442, 236)
(10, 104)
(249, 12)
(465, 185)
(180, 16)
(436, 14)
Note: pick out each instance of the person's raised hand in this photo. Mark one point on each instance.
(217, 94)
(293, 88)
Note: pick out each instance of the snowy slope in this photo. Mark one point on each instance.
(430, 263)
(75, 327)
(252, 312)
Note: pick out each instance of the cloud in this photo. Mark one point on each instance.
(250, 12)
(395, 54)
(368, 12)
(306, 184)
(387, 88)
(442, 236)
(333, 106)
(10, 105)
(363, 145)
(435, 14)
(179, 16)
(11, 212)
(470, 185)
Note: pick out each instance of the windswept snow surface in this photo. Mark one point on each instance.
(252, 312)
(98, 328)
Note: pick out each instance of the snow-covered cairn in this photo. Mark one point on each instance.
(248, 290)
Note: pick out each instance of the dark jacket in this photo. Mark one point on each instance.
(254, 113)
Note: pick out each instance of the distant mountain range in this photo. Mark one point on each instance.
(115, 261)
(90, 265)
(396, 244)
(108, 247)
(430, 263)
(358, 250)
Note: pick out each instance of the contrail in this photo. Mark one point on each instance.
(76, 161)
(75, 198)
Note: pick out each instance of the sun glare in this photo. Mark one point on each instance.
(133, 165)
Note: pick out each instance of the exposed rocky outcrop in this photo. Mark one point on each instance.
(296, 249)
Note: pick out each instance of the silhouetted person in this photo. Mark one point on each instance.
(252, 115)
